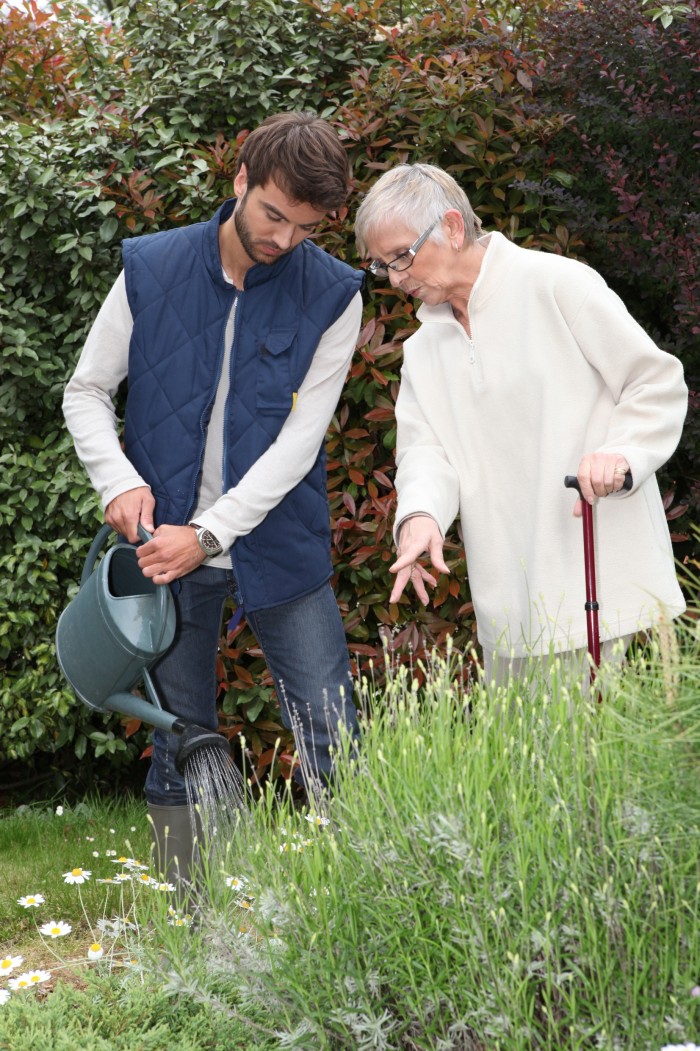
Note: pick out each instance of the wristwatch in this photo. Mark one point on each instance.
(207, 541)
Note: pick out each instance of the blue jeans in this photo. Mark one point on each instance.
(304, 645)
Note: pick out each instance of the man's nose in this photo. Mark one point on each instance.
(285, 237)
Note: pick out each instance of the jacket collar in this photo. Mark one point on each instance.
(493, 271)
(259, 273)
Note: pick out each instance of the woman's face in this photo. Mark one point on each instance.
(431, 276)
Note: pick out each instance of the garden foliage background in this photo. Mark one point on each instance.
(573, 127)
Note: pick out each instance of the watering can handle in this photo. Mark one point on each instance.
(99, 542)
(143, 533)
(95, 548)
(162, 592)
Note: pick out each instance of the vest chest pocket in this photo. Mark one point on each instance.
(275, 389)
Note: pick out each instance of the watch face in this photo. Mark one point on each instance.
(209, 542)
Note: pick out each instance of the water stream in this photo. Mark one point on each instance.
(216, 797)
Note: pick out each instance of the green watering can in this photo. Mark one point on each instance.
(116, 627)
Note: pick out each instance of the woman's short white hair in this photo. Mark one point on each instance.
(414, 195)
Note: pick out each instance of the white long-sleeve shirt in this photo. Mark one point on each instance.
(88, 406)
(489, 427)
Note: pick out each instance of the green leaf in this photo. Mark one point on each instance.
(108, 229)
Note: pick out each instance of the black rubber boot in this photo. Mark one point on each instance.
(173, 844)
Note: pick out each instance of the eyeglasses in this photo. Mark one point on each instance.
(403, 261)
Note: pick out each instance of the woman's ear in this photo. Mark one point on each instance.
(455, 227)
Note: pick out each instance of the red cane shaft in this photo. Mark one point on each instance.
(591, 596)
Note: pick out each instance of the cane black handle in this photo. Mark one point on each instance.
(571, 482)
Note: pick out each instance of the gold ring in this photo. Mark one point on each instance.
(620, 470)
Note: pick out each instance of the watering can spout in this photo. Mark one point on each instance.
(193, 739)
(129, 704)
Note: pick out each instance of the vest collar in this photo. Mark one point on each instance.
(258, 274)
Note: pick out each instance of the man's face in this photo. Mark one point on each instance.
(268, 223)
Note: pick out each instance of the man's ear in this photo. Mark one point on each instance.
(240, 183)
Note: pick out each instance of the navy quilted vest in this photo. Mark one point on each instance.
(180, 303)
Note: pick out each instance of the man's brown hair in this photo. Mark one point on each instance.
(304, 157)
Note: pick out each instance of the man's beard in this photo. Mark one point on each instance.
(246, 238)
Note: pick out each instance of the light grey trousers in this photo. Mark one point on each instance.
(574, 665)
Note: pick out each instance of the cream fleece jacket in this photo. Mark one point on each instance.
(557, 368)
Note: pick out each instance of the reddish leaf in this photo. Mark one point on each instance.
(383, 479)
(131, 726)
(349, 503)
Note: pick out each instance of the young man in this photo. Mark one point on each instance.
(235, 336)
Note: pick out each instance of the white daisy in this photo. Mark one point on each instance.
(28, 979)
(77, 875)
(35, 977)
(180, 921)
(136, 866)
(4, 996)
(95, 952)
(8, 965)
(55, 929)
(148, 880)
(316, 819)
(236, 882)
(59, 811)
(31, 901)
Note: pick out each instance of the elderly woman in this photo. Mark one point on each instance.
(526, 367)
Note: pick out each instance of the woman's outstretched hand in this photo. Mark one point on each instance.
(418, 535)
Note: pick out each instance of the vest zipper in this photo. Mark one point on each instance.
(234, 308)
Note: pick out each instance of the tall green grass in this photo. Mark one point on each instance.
(500, 871)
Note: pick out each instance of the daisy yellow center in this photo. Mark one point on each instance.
(55, 930)
(95, 947)
(77, 872)
(23, 983)
(5, 965)
(34, 978)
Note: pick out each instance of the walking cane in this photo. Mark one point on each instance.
(591, 607)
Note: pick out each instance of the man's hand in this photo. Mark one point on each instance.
(600, 474)
(418, 534)
(128, 509)
(172, 553)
